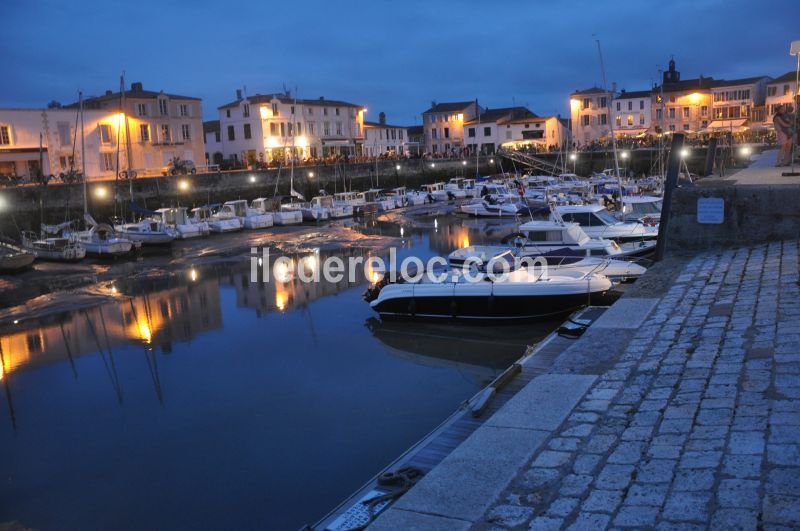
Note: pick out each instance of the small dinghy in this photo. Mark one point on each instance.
(523, 293)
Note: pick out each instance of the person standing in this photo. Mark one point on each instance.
(783, 130)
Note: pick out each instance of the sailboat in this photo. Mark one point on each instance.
(13, 259)
(99, 239)
(52, 244)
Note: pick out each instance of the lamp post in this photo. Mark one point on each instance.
(574, 158)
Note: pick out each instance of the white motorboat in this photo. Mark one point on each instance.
(597, 222)
(523, 293)
(204, 215)
(308, 211)
(490, 208)
(553, 238)
(435, 192)
(400, 196)
(148, 232)
(250, 218)
(455, 188)
(178, 219)
(53, 245)
(335, 211)
(265, 206)
(101, 240)
(375, 196)
(13, 258)
(616, 269)
(643, 208)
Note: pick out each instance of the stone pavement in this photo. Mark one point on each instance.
(763, 171)
(696, 423)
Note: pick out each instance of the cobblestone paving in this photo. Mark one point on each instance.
(698, 422)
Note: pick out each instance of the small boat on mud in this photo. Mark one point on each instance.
(52, 245)
(13, 258)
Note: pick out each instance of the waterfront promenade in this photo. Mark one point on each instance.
(679, 408)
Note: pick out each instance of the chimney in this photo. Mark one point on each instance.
(238, 94)
(322, 98)
(433, 103)
(108, 93)
(382, 118)
(613, 87)
(136, 86)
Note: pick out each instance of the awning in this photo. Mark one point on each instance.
(727, 125)
(635, 131)
(337, 143)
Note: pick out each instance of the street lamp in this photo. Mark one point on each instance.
(183, 185)
(252, 178)
(100, 192)
(574, 158)
(684, 153)
(397, 167)
(311, 174)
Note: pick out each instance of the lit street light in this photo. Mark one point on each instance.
(684, 153)
(100, 192)
(311, 174)
(397, 167)
(252, 178)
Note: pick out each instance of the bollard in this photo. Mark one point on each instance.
(673, 166)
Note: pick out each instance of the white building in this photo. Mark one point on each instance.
(632, 113)
(151, 130)
(738, 103)
(381, 138)
(514, 127)
(270, 127)
(590, 115)
(779, 92)
(443, 125)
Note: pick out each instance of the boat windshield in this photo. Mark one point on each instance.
(643, 208)
(606, 217)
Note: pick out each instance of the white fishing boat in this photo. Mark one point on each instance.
(598, 222)
(308, 211)
(375, 196)
(489, 207)
(51, 244)
(13, 258)
(523, 293)
(204, 215)
(455, 188)
(177, 218)
(335, 211)
(148, 232)
(279, 217)
(250, 218)
(101, 240)
(399, 194)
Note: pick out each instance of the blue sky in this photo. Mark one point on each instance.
(389, 56)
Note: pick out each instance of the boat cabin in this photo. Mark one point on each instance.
(586, 215)
(236, 208)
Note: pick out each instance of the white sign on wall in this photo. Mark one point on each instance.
(710, 210)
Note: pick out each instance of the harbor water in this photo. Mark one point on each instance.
(203, 400)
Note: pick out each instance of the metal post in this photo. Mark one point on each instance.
(710, 156)
(673, 167)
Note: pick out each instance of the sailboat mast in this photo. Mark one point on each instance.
(610, 121)
(477, 150)
(83, 156)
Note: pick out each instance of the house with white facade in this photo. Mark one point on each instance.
(273, 127)
(513, 127)
(632, 113)
(781, 91)
(382, 139)
(146, 133)
(590, 114)
(738, 103)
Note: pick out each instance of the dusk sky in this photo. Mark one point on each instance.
(394, 57)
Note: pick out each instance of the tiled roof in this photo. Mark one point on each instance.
(688, 84)
(449, 107)
(211, 126)
(502, 115)
(634, 94)
(287, 99)
(592, 90)
(735, 82)
(98, 102)
(788, 76)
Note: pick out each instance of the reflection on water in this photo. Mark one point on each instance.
(204, 400)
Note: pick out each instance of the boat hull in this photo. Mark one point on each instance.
(15, 262)
(287, 217)
(108, 249)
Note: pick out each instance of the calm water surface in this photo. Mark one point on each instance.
(205, 401)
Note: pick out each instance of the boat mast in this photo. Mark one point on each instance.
(610, 121)
(477, 151)
(83, 157)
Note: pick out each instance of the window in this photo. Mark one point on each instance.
(141, 109)
(291, 109)
(400, 134)
(298, 128)
(247, 133)
(587, 103)
(686, 112)
(704, 110)
(630, 105)
(273, 129)
(603, 119)
(231, 133)
(105, 134)
(659, 114)
(618, 105)
(585, 120)
(274, 109)
(5, 135)
(245, 110)
(672, 113)
(324, 111)
(685, 127)
(433, 133)
(326, 128)
(641, 105)
(338, 126)
(487, 131)
(106, 162)
(186, 132)
(705, 123)
(310, 111)
(337, 111)
(163, 108)
(641, 118)
(618, 121)
(602, 102)
(447, 132)
(217, 137)
(183, 109)
(310, 128)
(283, 129)
(64, 138)
(166, 137)
(672, 128)
(630, 119)
(144, 133)
(227, 113)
